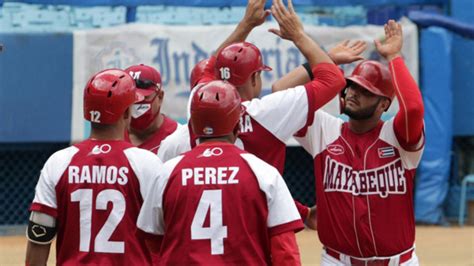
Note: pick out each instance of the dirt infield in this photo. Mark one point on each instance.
(434, 246)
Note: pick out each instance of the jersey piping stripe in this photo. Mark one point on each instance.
(353, 205)
(402, 100)
(367, 198)
(348, 145)
(355, 228)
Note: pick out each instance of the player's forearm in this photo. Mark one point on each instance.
(409, 119)
(37, 255)
(284, 249)
(298, 76)
(240, 34)
(311, 50)
(327, 83)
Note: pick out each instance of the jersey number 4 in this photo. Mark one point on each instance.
(102, 242)
(216, 232)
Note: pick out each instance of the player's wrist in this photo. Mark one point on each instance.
(393, 56)
(246, 25)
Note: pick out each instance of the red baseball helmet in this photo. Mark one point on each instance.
(237, 62)
(108, 94)
(215, 109)
(373, 76)
(197, 72)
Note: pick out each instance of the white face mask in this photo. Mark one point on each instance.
(140, 109)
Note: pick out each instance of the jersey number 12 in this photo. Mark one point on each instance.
(101, 243)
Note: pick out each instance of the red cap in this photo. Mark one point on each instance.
(147, 78)
(237, 62)
(215, 109)
(108, 94)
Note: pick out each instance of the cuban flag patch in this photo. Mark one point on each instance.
(386, 152)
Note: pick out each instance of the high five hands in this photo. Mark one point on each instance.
(392, 45)
(290, 25)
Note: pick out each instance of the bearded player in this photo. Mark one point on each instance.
(365, 168)
(90, 194)
(217, 204)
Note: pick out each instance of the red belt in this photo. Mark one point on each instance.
(375, 262)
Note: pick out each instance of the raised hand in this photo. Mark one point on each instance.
(290, 25)
(345, 53)
(392, 45)
(255, 14)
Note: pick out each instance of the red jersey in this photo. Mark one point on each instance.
(218, 205)
(153, 143)
(364, 187)
(95, 190)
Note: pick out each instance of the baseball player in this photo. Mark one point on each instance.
(217, 204)
(90, 194)
(148, 127)
(365, 168)
(270, 121)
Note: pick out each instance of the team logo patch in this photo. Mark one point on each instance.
(386, 152)
(104, 148)
(208, 131)
(336, 149)
(211, 152)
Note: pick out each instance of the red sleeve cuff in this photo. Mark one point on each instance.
(398, 60)
(295, 226)
(38, 207)
(302, 209)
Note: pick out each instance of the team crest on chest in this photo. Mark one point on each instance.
(386, 152)
(335, 149)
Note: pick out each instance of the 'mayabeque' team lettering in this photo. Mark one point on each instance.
(98, 174)
(384, 180)
(210, 175)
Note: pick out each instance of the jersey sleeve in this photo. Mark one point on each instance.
(324, 130)
(282, 113)
(175, 144)
(45, 200)
(408, 124)
(282, 213)
(410, 158)
(150, 219)
(287, 112)
(146, 165)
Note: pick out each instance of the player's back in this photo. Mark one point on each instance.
(99, 194)
(215, 208)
